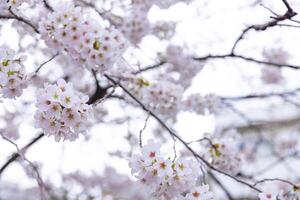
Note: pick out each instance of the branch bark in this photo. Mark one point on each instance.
(15, 156)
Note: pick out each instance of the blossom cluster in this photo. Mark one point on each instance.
(295, 195)
(273, 75)
(62, 112)
(201, 104)
(86, 40)
(12, 121)
(164, 96)
(13, 78)
(223, 154)
(164, 30)
(136, 25)
(183, 64)
(167, 178)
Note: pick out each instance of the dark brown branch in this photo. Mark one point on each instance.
(173, 134)
(155, 66)
(44, 63)
(255, 96)
(48, 6)
(21, 19)
(290, 13)
(275, 179)
(274, 164)
(221, 185)
(15, 156)
(100, 92)
(289, 25)
(246, 59)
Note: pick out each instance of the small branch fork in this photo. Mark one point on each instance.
(102, 92)
(237, 56)
(15, 156)
(20, 153)
(21, 19)
(289, 14)
(197, 156)
(173, 134)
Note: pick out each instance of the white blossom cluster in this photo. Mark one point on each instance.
(166, 97)
(164, 30)
(201, 104)
(267, 196)
(62, 112)
(182, 64)
(84, 39)
(12, 123)
(13, 78)
(295, 195)
(162, 96)
(273, 75)
(167, 178)
(136, 25)
(223, 154)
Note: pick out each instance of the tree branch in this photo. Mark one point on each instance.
(21, 19)
(232, 55)
(48, 6)
(290, 13)
(15, 156)
(173, 134)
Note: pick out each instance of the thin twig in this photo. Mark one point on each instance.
(275, 179)
(48, 6)
(15, 156)
(142, 130)
(246, 59)
(173, 134)
(151, 67)
(289, 14)
(107, 95)
(21, 19)
(46, 62)
(39, 180)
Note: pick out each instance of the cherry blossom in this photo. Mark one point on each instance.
(201, 193)
(86, 41)
(202, 104)
(62, 112)
(136, 25)
(224, 155)
(166, 177)
(124, 59)
(273, 75)
(267, 196)
(13, 78)
(183, 64)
